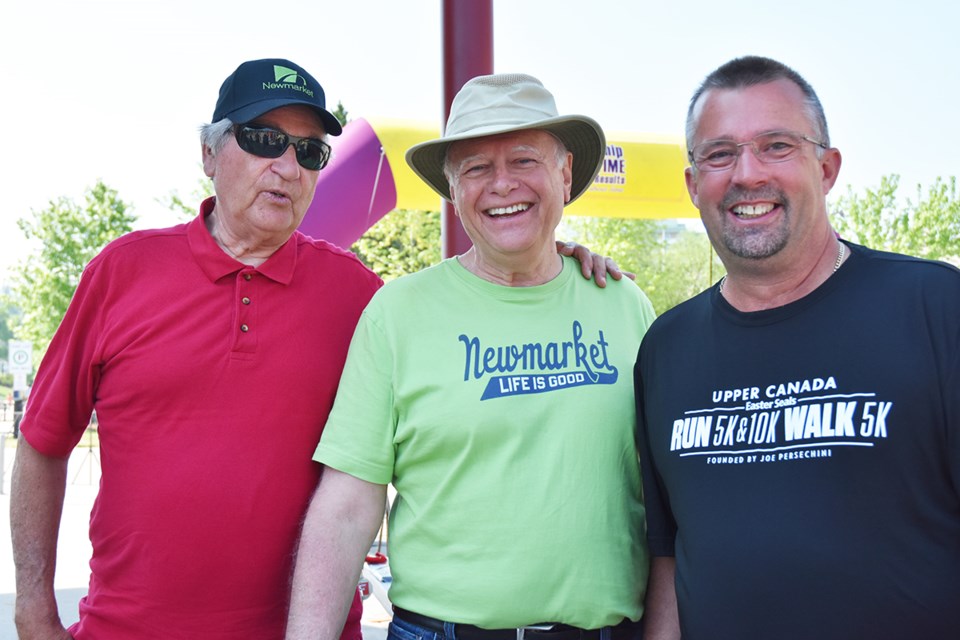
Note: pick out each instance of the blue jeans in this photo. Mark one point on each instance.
(403, 630)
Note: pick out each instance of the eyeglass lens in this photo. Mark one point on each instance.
(777, 146)
(264, 142)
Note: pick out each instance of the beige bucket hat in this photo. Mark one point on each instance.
(501, 103)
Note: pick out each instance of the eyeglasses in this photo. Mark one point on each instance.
(264, 142)
(769, 148)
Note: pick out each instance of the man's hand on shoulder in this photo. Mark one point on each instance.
(593, 264)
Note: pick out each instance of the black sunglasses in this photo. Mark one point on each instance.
(264, 142)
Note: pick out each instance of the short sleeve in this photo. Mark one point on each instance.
(358, 437)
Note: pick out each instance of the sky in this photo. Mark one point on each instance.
(116, 89)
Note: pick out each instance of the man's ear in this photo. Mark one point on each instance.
(209, 161)
(692, 188)
(567, 178)
(830, 168)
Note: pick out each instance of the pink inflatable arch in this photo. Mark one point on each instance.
(354, 191)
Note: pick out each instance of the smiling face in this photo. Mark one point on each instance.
(754, 211)
(509, 191)
(261, 201)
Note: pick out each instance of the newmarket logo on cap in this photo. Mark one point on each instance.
(285, 78)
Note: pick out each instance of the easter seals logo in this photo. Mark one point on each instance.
(799, 419)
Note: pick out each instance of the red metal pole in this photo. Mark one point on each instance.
(467, 52)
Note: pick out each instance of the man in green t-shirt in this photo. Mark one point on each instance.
(494, 392)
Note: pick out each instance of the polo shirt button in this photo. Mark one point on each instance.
(244, 328)
(245, 300)
(247, 277)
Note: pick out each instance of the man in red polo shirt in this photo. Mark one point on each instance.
(211, 352)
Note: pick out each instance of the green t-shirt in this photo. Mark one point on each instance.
(504, 417)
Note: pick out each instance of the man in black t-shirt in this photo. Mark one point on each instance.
(799, 422)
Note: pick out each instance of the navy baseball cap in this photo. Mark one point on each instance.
(259, 86)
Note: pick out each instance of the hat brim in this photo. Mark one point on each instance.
(253, 111)
(582, 137)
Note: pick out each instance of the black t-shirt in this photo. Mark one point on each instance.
(803, 463)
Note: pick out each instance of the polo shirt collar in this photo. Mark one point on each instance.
(215, 262)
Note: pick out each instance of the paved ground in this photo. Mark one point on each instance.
(73, 551)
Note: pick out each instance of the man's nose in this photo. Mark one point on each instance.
(503, 180)
(286, 165)
(748, 169)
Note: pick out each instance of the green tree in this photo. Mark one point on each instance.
(340, 114)
(632, 243)
(928, 227)
(186, 208)
(69, 235)
(687, 266)
(403, 241)
(671, 263)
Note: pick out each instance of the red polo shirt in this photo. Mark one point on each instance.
(212, 381)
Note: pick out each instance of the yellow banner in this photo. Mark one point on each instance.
(641, 176)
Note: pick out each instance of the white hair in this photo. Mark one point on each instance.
(215, 135)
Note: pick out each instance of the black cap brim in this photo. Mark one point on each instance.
(253, 111)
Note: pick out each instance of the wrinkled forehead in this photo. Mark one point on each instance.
(740, 112)
(529, 140)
